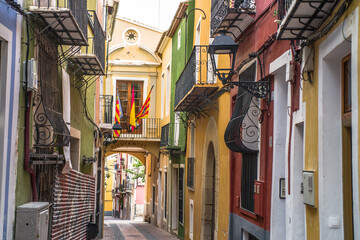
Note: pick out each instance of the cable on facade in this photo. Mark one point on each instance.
(87, 115)
(17, 7)
(342, 9)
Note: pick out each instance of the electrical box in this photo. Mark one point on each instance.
(309, 188)
(32, 221)
(32, 79)
(259, 197)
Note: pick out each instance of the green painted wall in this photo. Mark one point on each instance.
(81, 123)
(178, 63)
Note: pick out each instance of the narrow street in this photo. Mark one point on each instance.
(133, 230)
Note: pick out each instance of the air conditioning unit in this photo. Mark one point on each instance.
(32, 75)
(32, 221)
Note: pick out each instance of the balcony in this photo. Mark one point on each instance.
(301, 18)
(147, 128)
(66, 19)
(234, 16)
(168, 136)
(91, 60)
(106, 110)
(196, 82)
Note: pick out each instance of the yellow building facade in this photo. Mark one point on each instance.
(331, 128)
(207, 202)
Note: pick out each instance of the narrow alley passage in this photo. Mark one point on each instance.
(116, 229)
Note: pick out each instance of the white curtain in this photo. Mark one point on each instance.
(66, 114)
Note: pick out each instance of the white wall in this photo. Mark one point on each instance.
(331, 51)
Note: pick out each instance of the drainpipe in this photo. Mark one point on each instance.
(27, 122)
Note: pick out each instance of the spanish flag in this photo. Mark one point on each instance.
(118, 114)
(144, 111)
(132, 112)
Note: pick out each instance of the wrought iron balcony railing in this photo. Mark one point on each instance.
(299, 19)
(106, 109)
(91, 60)
(65, 18)
(165, 132)
(197, 73)
(147, 128)
(168, 135)
(234, 16)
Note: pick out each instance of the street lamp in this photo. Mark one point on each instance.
(223, 46)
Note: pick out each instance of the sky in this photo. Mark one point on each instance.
(155, 13)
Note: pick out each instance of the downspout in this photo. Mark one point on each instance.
(292, 92)
(27, 121)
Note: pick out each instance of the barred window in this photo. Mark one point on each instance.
(248, 177)
(190, 173)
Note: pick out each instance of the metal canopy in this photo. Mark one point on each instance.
(62, 23)
(303, 17)
(88, 64)
(232, 20)
(196, 98)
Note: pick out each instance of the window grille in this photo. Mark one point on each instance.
(191, 172)
(248, 177)
(181, 195)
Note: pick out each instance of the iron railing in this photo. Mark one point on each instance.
(106, 108)
(165, 132)
(168, 134)
(284, 6)
(50, 129)
(221, 8)
(78, 9)
(97, 43)
(198, 71)
(148, 128)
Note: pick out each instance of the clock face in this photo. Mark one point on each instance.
(131, 36)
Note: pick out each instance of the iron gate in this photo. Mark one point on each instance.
(73, 205)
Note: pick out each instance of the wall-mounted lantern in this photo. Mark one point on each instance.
(224, 45)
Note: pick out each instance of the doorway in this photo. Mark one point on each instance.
(210, 196)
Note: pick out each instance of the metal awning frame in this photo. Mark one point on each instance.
(308, 24)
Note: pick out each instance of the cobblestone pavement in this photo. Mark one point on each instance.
(133, 230)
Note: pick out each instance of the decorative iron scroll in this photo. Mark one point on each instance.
(50, 129)
(243, 133)
(221, 10)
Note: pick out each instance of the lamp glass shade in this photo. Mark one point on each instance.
(225, 46)
(117, 127)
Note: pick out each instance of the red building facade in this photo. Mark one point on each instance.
(253, 25)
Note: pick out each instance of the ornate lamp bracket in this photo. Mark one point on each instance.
(259, 89)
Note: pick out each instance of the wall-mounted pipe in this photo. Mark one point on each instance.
(27, 122)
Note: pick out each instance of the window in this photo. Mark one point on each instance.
(248, 177)
(248, 236)
(179, 39)
(165, 195)
(124, 88)
(153, 199)
(191, 216)
(162, 95)
(346, 67)
(168, 90)
(177, 128)
(181, 194)
(190, 172)
(192, 140)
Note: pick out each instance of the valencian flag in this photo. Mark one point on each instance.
(144, 111)
(118, 114)
(132, 111)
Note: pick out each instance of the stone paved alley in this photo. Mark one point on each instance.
(133, 230)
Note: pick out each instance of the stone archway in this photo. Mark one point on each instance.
(210, 183)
